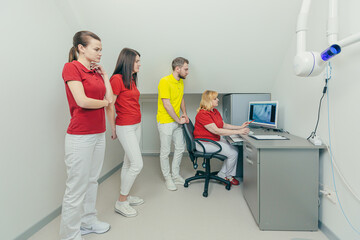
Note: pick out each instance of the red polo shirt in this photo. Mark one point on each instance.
(84, 121)
(205, 117)
(127, 102)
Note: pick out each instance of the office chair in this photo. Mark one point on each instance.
(188, 129)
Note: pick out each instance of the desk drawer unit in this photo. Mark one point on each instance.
(280, 186)
(250, 180)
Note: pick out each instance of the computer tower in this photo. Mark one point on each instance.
(236, 106)
(235, 112)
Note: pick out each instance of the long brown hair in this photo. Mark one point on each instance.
(206, 98)
(125, 66)
(82, 38)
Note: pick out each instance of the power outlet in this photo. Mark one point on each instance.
(329, 194)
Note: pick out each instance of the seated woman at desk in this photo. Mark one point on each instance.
(209, 124)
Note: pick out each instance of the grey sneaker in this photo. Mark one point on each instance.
(170, 184)
(135, 201)
(179, 180)
(125, 209)
(98, 227)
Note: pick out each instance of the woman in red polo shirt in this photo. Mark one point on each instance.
(127, 126)
(209, 124)
(88, 91)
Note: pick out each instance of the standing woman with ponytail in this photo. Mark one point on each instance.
(127, 126)
(88, 91)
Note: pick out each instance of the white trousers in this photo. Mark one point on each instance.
(229, 166)
(129, 137)
(171, 132)
(84, 157)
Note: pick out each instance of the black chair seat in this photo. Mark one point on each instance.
(194, 154)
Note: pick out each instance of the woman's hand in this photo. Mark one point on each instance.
(113, 134)
(244, 131)
(245, 124)
(98, 68)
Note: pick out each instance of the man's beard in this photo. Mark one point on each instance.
(182, 77)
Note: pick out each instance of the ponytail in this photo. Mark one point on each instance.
(82, 38)
(72, 54)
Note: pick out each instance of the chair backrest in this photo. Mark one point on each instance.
(188, 129)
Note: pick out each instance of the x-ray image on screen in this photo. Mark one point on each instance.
(263, 113)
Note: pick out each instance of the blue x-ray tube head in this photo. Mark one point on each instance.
(330, 52)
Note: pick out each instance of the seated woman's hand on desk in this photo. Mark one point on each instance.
(226, 130)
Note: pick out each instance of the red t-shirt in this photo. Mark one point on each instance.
(205, 117)
(127, 102)
(84, 121)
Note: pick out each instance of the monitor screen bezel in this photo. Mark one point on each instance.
(266, 125)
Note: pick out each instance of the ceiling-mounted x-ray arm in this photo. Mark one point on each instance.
(309, 63)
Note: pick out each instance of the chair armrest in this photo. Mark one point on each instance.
(208, 140)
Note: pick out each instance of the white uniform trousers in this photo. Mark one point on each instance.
(129, 137)
(171, 132)
(84, 157)
(231, 152)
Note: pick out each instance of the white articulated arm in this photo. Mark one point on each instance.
(349, 40)
(309, 63)
(301, 27)
(332, 25)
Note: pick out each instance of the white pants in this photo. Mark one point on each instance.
(129, 137)
(84, 156)
(229, 166)
(171, 132)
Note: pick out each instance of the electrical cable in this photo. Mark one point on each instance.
(331, 159)
(313, 133)
(343, 178)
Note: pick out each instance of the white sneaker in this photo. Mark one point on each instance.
(135, 201)
(178, 180)
(124, 209)
(170, 184)
(98, 227)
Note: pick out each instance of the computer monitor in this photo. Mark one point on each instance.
(263, 113)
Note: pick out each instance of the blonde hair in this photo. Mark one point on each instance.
(206, 98)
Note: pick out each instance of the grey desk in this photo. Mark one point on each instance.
(280, 182)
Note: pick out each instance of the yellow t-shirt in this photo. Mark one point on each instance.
(172, 89)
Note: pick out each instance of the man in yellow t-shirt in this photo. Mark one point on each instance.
(170, 101)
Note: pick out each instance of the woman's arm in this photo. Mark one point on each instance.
(109, 93)
(225, 132)
(229, 126)
(101, 71)
(77, 90)
(110, 113)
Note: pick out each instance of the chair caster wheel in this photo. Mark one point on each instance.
(228, 187)
(205, 194)
(186, 184)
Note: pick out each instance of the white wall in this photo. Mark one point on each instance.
(232, 45)
(299, 98)
(35, 40)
